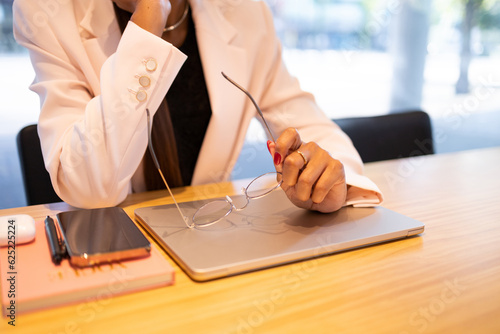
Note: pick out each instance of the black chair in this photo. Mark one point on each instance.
(390, 136)
(36, 179)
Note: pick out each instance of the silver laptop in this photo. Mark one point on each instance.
(270, 231)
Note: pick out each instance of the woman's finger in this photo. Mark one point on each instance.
(286, 143)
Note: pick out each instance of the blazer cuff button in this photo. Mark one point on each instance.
(141, 95)
(151, 64)
(144, 81)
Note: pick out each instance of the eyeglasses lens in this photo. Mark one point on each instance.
(263, 185)
(211, 212)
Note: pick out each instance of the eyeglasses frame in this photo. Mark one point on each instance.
(191, 224)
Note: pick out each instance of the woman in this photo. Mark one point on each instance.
(97, 73)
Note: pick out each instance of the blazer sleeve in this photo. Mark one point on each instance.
(285, 105)
(93, 142)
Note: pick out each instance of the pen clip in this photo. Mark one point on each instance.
(60, 240)
(57, 247)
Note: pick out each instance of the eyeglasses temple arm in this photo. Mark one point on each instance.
(155, 160)
(253, 101)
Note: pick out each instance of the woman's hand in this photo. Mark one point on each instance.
(315, 181)
(150, 15)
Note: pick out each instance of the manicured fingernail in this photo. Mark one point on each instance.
(269, 147)
(277, 158)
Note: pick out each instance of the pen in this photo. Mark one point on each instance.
(56, 251)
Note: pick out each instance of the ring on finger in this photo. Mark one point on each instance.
(303, 157)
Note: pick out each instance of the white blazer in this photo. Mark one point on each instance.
(92, 125)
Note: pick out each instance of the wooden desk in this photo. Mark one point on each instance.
(446, 281)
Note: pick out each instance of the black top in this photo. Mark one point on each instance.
(189, 106)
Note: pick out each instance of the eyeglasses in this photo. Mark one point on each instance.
(213, 212)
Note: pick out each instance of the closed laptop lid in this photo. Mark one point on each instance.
(268, 232)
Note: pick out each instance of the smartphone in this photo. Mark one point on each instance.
(96, 236)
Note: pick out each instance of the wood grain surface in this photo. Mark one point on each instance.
(445, 281)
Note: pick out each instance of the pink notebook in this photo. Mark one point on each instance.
(37, 283)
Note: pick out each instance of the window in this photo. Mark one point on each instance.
(19, 107)
(368, 57)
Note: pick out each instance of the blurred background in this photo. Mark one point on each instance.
(358, 57)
